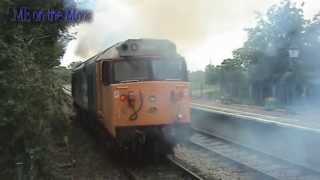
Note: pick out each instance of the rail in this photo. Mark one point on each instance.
(184, 168)
(129, 174)
(258, 161)
(288, 143)
(67, 91)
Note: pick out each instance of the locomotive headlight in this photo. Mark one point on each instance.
(180, 116)
(186, 92)
(153, 109)
(152, 99)
(134, 47)
(123, 98)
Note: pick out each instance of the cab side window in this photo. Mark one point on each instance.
(106, 73)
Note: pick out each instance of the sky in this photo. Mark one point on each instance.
(205, 31)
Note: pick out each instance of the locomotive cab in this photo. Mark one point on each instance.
(140, 90)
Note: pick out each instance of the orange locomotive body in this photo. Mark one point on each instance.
(136, 88)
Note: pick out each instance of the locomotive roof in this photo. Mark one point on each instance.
(134, 47)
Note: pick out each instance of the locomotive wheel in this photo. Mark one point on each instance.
(140, 152)
(156, 151)
(152, 149)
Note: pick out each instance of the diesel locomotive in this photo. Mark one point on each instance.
(137, 91)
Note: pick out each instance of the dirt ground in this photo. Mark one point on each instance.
(77, 156)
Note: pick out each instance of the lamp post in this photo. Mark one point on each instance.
(294, 53)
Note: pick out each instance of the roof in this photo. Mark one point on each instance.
(134, 47)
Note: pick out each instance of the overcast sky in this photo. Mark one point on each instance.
(205, 31)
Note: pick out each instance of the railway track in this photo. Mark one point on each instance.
(270, 166)
(174, 170)
(132, 174)
(67, 91)
(298, 146)
(129, 174)
(184, 168)
(213, 166)
(264, 163)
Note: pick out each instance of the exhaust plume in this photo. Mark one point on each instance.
(186, 23)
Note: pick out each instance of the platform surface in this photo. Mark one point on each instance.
(308, 120)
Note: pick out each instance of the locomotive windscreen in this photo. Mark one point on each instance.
(148, 70)
(168, 70)
(131, 70)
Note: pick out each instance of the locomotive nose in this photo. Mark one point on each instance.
(153, 103)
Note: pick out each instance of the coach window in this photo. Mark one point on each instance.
(106, 73)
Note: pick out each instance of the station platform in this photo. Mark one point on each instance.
(302, 120)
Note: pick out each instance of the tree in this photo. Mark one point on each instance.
(310, 56)
(263, 67)
(229, 76)
(211, 74)
(63, 74)
(31, 96)
(266, 50)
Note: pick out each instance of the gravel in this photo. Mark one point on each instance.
(214, 166)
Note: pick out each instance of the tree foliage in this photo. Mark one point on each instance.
(31, 97)
(263, 67)
(63, 74)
